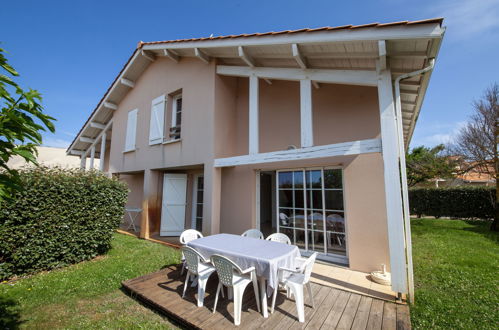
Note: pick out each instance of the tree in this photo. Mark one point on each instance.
(425, 163)
(477, 141)
(21, 122)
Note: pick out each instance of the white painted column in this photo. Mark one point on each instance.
(83, 162)
(307, 133)
(393, 193)
(102, 152)
(92, 157)
(253, 115)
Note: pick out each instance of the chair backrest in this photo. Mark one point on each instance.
(192, 258)
(254, 233)
(306, 267)
(189, 235)
(225, 269)
(279, 237)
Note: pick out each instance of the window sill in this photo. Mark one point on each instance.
(131, 150)
(172, 141)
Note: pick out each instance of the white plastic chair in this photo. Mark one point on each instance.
(233, 277)
(187, 236)
(294, 280)
(198, 266)
(254, 233)
(279, 237)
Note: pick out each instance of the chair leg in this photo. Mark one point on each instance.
(201, 289)
(300, 305)
(309, 289)
(257, 295)
(238, 299)
(185, 284)
(216, 297)
(274, 296)
(183, 268)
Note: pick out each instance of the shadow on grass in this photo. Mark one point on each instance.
(10, 315)
(483, 227)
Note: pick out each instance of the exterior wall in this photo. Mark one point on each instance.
(135, 183)
(366, 228)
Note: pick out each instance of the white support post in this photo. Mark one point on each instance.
(83, 161)
(306, 126)
(253, 115)
(393, 194)
(102, 151)
(92, 157)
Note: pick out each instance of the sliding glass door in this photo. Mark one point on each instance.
(311, 212)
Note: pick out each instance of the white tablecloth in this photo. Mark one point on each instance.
(265, 256)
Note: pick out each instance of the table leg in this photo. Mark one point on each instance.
(263, 296)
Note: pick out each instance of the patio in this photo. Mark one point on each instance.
(335, 308)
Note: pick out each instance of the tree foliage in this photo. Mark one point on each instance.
(477, 141)
(21, 122)
(425, 163)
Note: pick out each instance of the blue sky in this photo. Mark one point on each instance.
(72, 50)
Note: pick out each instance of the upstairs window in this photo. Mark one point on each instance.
(176, 117)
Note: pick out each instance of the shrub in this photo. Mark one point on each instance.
(61, 217)
(456, 202)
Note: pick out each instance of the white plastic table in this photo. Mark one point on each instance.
(265, 256)
(132, 213)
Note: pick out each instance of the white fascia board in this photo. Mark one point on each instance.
(349, 77)
(422, 31)
(331, 150)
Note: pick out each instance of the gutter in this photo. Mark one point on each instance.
(403, 173)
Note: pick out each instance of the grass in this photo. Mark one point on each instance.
(456, 270)
(87, 295)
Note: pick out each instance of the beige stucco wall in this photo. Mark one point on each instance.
(365, 213)
(215, 124)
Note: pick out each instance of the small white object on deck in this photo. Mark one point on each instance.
(382, 277)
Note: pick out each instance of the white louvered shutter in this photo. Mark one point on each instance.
(156, 126)
(131, 130)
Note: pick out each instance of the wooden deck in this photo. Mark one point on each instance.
(334, 308)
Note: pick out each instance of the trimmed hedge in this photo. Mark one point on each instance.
(61, 217)
(455, 202)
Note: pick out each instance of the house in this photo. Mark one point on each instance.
(301, 132)
(48, 156)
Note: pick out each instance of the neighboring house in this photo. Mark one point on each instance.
(48, 156)
(472, 176)
(291, 131)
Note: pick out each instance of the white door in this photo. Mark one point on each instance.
(173, 206)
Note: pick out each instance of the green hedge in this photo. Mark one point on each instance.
(457, 202)
(60, 218)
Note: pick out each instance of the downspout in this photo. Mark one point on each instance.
(403, 172)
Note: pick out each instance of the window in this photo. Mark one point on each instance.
(131, 130)
(311, 210)
(176, 117)
(197, 203)
(157, 120)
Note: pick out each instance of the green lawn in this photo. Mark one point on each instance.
(456, 270)
(87, 295)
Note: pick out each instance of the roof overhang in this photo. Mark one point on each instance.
(405, 47)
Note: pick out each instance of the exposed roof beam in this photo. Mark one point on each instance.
(349, 77)
(315, 84)
(110, 105)
(409, 92)
(77, 152)
(410, 83)
(86, 139)
(300, 60)
(94, 124)
(382, 55)
(98, 138)
(127, 82)
(171, 55)
(148, 55)
(201, 55)
(245, 57)
(409, 55)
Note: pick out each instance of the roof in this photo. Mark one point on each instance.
(410, 46)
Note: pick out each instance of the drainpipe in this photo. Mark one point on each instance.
(405, 194)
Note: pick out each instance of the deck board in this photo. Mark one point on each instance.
(334, 308)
